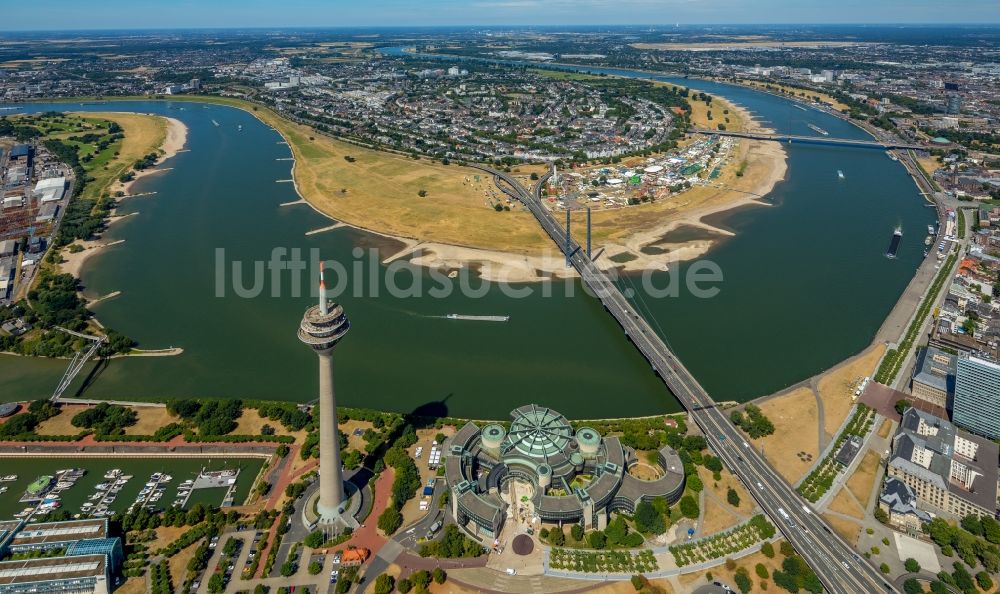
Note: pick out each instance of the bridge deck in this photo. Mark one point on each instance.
(834, 561)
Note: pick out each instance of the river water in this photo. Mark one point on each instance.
(806, 285)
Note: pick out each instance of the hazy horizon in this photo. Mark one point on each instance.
(111, 15)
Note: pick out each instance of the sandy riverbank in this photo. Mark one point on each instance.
(173, 143)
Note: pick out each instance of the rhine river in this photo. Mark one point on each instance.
(806, 285)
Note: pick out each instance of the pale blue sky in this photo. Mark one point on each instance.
(118, 14)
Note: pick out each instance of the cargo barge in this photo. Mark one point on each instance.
(897, 236)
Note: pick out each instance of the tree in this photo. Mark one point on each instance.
(315, 539)
(557, 537)
(912, 586)
(901, 405)
(638, 582)
(768, 550)
(694, 483)
(973, 524)
(597, 540)
(288, 568)
(315, 568)
(742, 580)
(439, 575)
(881, 515)
(577, 530)
(761, 571)
(647, 519)
(911, 565)
(390, 520)
(985, 581)
(689, 507)
(215, 583)
(404, 585)
(733, 497)
(384, 584)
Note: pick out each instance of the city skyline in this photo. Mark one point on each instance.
(118, 14)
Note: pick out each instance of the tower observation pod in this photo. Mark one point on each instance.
(322, 328)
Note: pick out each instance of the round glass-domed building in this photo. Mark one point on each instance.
(540, 468)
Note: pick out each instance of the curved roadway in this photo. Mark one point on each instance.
(840, 569)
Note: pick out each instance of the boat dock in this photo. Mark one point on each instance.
(215, 479)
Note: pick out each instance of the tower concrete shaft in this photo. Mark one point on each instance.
(331, 486)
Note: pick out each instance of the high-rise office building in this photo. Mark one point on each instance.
(977, 397)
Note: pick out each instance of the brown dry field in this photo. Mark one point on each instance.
(164, 536)
(861, 482)
(930, 164)
(60, 424)
(843, 504)
(717, 518)
(179, 562)
(693, 580)
(726, 516)
(796, 429)
(150, 419)
(884, 430)
(133, 585)
(382, 193)
(626, 587)
(845, 528)
(837, 388)
(354, 442)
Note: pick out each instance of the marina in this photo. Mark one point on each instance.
(101, 487)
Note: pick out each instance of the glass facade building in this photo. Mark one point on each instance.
(977, 397)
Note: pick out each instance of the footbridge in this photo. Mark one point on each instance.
(79, 359)
(839, 568)
(792, 138)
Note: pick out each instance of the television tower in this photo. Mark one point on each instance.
(322, 327)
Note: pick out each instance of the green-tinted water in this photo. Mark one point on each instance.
(806, 285)
(180, 469)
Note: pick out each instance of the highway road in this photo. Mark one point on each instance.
(839, 567)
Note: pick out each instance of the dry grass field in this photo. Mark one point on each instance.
(861, 482)
(150, 419)
(845, 528)
(134, 585)
(796, 429)
(719, 515)
(884, 430)
(843, 504)
(380, 191)
(837, 387)
(60, 424)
